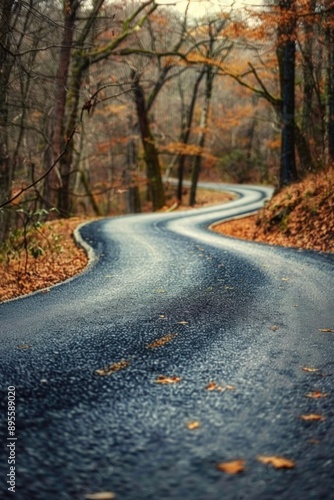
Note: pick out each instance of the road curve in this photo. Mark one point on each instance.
(242, 315)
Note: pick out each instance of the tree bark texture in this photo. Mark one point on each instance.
(202, 135)
(287, 63)
(6, 62)
(154, 179)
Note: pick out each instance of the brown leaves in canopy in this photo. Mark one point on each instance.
(167, 380)
(116, 367)
(180, 148)
(233, 467)
(277, 462)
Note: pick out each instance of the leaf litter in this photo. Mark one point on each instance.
(116, 367)
(312, 417)
(317, 395)
(276, 462)
(212, 386)
(233, 467)
(162, 379)
(193, 425)
(162, 341)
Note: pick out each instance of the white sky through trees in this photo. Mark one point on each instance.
(201, 8)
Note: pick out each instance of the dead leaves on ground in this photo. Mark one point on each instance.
(233, 467)
(326, 330)
(167, 380)
(237, 466)
(162, 341)
(193, 425)
(312, 417)
(310, 370)
(317, 395)
(212, 386)
(101, 495)
(116, 367)
(276, 461)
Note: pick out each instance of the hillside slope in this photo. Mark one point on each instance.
(301, 216)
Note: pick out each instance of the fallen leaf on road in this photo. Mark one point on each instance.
(233, 467)
(317, 395)
(102, 495)
(313, 441)
(162, 341)
(167, 380)
(182, 322)
(274, 328)
(312, 417)
(212, 386)
(326, 330)
(310, 370)
(277, 462)
(24, 346)
(116, 367)
(193, 425)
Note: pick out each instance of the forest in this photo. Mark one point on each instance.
(101, 102)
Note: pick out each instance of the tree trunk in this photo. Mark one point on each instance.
(202, 135)
(287, 61)
(185, 134)
(330, 91)
(308, 83)
(57, 186)
(154, 179)
(6, 62)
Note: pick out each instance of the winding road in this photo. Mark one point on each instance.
(231, 324)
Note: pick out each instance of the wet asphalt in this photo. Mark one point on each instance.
(242, 315)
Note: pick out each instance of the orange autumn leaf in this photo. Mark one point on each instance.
(277, 462)
(162, 341)
(212, 386)
(108, 370)
(193, 425)
(167, 380)
(101, 495)
(233, 467)
(312, 417)
(317, 395)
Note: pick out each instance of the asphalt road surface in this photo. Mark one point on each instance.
(165, 297)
